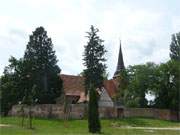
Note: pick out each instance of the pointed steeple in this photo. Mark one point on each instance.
(120, 64)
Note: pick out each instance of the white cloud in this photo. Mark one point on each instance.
(176, 23)
(145, 30)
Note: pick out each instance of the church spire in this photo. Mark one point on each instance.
(120, 64)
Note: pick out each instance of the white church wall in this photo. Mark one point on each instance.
(105, 99)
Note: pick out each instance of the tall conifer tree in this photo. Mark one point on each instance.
(175, 47)
(42, 68)
(175, 70)
(94, 73)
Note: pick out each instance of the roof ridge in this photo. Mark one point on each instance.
(71, 75)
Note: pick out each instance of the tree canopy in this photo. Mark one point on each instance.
(42, 67)
(160, 80)
(33, 77)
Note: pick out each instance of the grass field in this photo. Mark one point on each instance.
(79, 127)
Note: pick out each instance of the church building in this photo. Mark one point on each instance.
(74, 88)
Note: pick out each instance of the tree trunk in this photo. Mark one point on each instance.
(30, 117)
(22, 111)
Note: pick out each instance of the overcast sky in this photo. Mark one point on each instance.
(144, 27)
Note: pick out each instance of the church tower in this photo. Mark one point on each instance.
(120, 64)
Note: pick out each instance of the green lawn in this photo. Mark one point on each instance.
(79, 127)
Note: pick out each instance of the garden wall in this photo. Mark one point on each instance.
(79, 111)
(74, 111)
(151, 112)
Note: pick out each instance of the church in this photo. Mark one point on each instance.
(74, 88)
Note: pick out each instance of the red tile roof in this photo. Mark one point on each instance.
(111, 87)
(74, 85)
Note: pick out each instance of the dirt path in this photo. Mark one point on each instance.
(153, 128)
(4, 125)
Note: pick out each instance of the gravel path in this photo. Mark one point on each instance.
(153, 128)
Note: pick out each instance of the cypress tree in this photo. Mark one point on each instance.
(94, 74)
(175, 70)
(93, 117)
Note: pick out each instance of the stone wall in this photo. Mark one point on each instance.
(107, 112)
(150, 112)
(75, 111)
(79, 111)
(44, 110)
